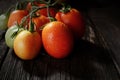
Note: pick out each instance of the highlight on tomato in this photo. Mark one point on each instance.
(74, 19)
(57, 39)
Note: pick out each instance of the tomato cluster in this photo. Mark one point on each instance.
(43, 25)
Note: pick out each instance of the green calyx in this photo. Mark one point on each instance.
(65, 8)
(31, 28)
(19, 29)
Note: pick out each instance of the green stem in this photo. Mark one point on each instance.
(31, 29)
(48, 11)
(7, 13)
(44, 2)
(49, 1)
(49, 15)
(18, 6)
(30, 14)
(66, 8)
(55, 2)
(38, 8)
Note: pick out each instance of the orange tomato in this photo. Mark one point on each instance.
(57, 39)
(74, 19)
(40, 21)
(27, 45)
(16, 17)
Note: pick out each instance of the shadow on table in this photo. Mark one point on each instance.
(87, 61)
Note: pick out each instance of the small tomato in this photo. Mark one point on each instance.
(16, 16)
(27, 44)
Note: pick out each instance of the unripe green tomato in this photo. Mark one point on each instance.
(3, 21)
(9, 38)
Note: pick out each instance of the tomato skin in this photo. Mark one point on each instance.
(74, 20)
(57, 39)
(8, 36)
(16, 17)
(27, 45)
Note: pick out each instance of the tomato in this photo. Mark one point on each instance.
(74, 19)
(45, 13)
(29, 5)
(3, 21)
(16, 16)
(9, 38)
(27, 44)
(57, 39)
(39, 22)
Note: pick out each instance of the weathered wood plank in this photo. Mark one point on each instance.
(3, 47)
(13, 69)
(107, 22)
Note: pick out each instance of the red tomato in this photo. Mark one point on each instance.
(74, 20)
(29, 6)
(27, 45)
(45, 13)
(57, 39)
(16, 16)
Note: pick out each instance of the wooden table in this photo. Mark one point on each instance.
(95, 57)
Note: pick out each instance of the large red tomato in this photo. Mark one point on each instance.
(57, 39)
(74, 19)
